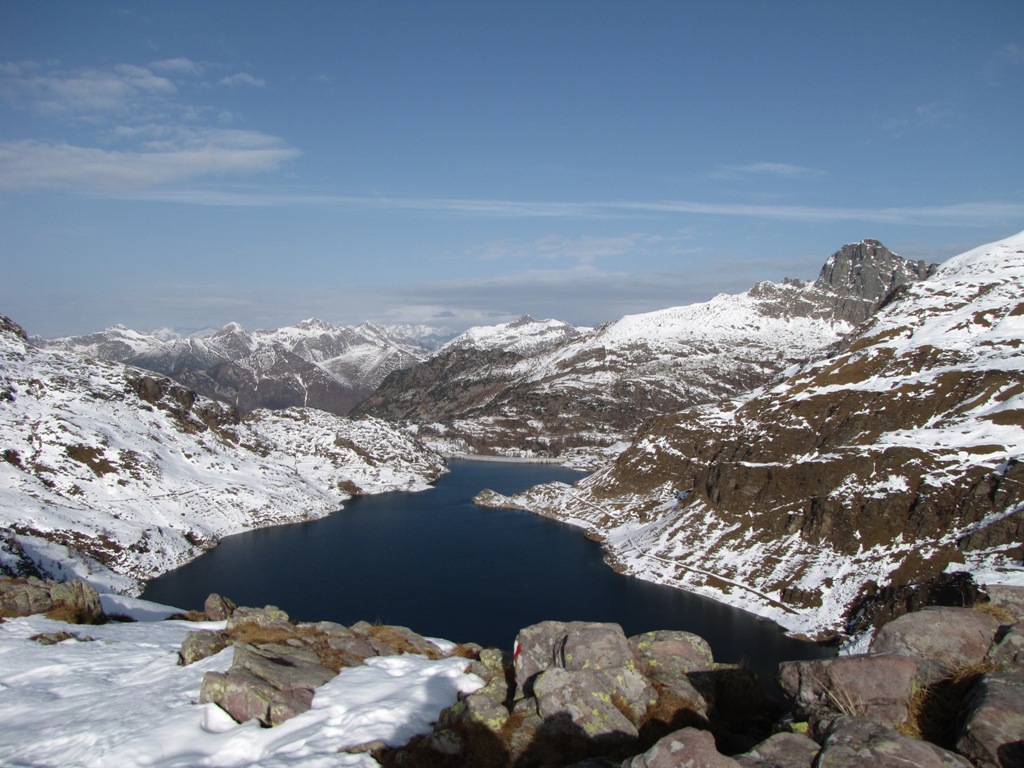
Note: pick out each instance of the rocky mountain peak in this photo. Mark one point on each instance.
(864, 274)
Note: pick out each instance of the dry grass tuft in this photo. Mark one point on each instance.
(934, 709)
(997, 612)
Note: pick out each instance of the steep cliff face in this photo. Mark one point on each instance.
(597, 388)
(888, 461)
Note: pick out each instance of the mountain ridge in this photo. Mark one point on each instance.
(891, 460)
(587, 394)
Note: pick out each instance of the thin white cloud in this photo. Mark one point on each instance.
(35, 165)
(1008, 58)
(179, 65)
(242, 78)
(977, 213)
(131, 129)
(581, 251)
(765, 169)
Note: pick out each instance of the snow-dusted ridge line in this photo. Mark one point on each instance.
(894, 458)
(115, 475)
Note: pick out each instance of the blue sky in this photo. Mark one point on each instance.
(186, 164)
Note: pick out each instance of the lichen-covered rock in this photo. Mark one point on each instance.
(942, 639)
(876, 687)
(671, 653)
(573, 645)
(687, 747)
(993, 732)
(781, 750)
(201, 643)
(601, 703)
(485, 707)
(72, 601)
(268, 617)
(854, 742)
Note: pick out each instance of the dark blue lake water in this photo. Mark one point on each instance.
(435, 562)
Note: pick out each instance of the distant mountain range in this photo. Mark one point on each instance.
(546, 388)
(891, 460)
(313, 364)
(114, 474)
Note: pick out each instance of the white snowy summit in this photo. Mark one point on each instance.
(313, 364)
(115, 475)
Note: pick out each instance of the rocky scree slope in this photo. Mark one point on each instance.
(314, 364)
(114, 474)
(894, 459)
(540, 387)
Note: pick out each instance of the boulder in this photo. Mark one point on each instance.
(72, 601)
(574, 645)
(269, 617)
(296, 671)
(217, 608)
(782, 750)
(271, 682)
(246, 697)
(855, 742)
(601, 703)
(484, 707)
(875, 687)
(687, 747)
(201, 643)
(1009, 598)
(1008, 652)
(993, 732)
(942, 639)
(671, 653)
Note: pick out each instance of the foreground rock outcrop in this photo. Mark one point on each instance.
(583, 694)
(579, 693)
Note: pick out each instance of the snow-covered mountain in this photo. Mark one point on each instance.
(313, 364)
(116, 474)
(886, 463)
(549, 389)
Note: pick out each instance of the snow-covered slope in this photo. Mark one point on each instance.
(510, 389)
(524, 336)
(313, 364)
(895, 458)
(122, 699)
(128, 474)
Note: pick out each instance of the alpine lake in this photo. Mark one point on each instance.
(438, 564)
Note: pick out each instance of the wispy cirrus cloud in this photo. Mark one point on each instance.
(38, 165)
(582, 251)
(126, 127)
(974, 213)
(242, 78)
(765, 169)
